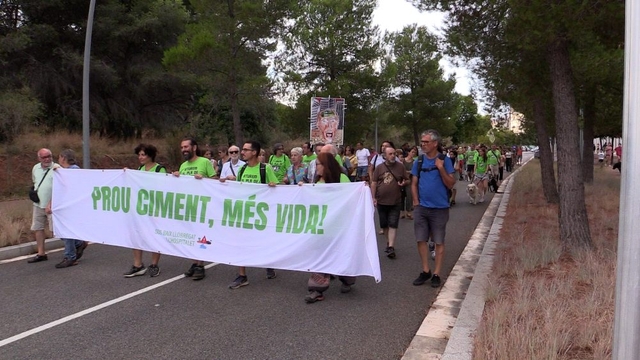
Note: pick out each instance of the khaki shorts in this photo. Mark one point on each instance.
(39, 218)
(494, 169)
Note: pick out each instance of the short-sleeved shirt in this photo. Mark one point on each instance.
(471, 157)
(386, 176)
(363, 157)
(280, 165)
(46, 188)
(299, 175)
(162, 170)
(377, 160)
(231, 169)
(309, 158)
(251, 174)
(201, 166)
(481, 165)
(432, 193)
(343, 179)
(493, 157)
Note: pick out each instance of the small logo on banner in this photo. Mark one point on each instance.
(203, 241)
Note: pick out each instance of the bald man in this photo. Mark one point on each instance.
(42, 178)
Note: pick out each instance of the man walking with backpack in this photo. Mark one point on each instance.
(432, 178)
(258, 173)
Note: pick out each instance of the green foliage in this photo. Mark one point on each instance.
(330, 50)
(421, 97)
(18, 109)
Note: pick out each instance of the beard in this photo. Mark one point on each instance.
(187, 155)
(393, 160)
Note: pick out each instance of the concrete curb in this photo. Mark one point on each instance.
(448, 330)
(9, 252)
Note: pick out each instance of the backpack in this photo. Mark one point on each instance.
(263, 173)
(158, 168)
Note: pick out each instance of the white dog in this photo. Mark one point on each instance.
(472, 190)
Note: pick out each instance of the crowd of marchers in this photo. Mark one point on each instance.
(414, 183)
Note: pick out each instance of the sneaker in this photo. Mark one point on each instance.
(198, 272)
(136, 271)
(435, 281)
(271, 273)
(189, 273)
(154, 270)
(239, 282)
(344, 288)
(391, 252)
(481, 199)
(313, 296)
(381, 232)
(38, 258)
(80, 250)
(66, 263)
(422, 278)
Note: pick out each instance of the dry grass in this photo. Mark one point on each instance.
(542, 303)
(15, 222)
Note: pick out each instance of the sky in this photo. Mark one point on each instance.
(393, 15)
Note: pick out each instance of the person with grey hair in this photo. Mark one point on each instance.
(298, 172)
(42, 189)
(73, 248)
(431, 180)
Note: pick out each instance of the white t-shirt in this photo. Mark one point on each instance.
(363, 157)
(377, 160)
(226, 169)
(601, 155)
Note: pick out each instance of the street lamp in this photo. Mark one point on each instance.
(86, 133)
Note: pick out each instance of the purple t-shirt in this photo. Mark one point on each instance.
(432, 192)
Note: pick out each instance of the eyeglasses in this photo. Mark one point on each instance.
(243, 149)
(45, 157)
(234, 152)
(426, 141)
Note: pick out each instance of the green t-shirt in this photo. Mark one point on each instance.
(163, 170)
(201, 166)
(343, 179)
(471, 157)
(339, 160)
(481, 165)
(309, 158)
(493, 157)
(251, 174)
(280, 166)
(460, 157)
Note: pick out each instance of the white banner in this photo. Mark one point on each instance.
(327, 228)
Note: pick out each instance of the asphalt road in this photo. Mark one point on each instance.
(185, 319)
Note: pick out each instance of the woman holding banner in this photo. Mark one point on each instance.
(328, 171)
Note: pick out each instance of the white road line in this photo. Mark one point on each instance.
(65, 319)
(23, 257)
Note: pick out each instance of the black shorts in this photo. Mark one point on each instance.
(430, 223)
(389, 216)
(471, 168)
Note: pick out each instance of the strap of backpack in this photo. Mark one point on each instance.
(263, 173)
(241, 172)
(160, 167)
(41, 180)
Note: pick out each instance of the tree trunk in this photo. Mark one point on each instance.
(574, 224)
(587, 136)
(546, 156)
(235, 113)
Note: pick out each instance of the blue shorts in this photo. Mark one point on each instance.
(362, 171)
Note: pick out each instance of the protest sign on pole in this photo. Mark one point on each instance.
(327, 120)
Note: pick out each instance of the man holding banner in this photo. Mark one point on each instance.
(198, 167)
(258, 173)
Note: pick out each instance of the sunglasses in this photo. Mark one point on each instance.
(233, 152)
